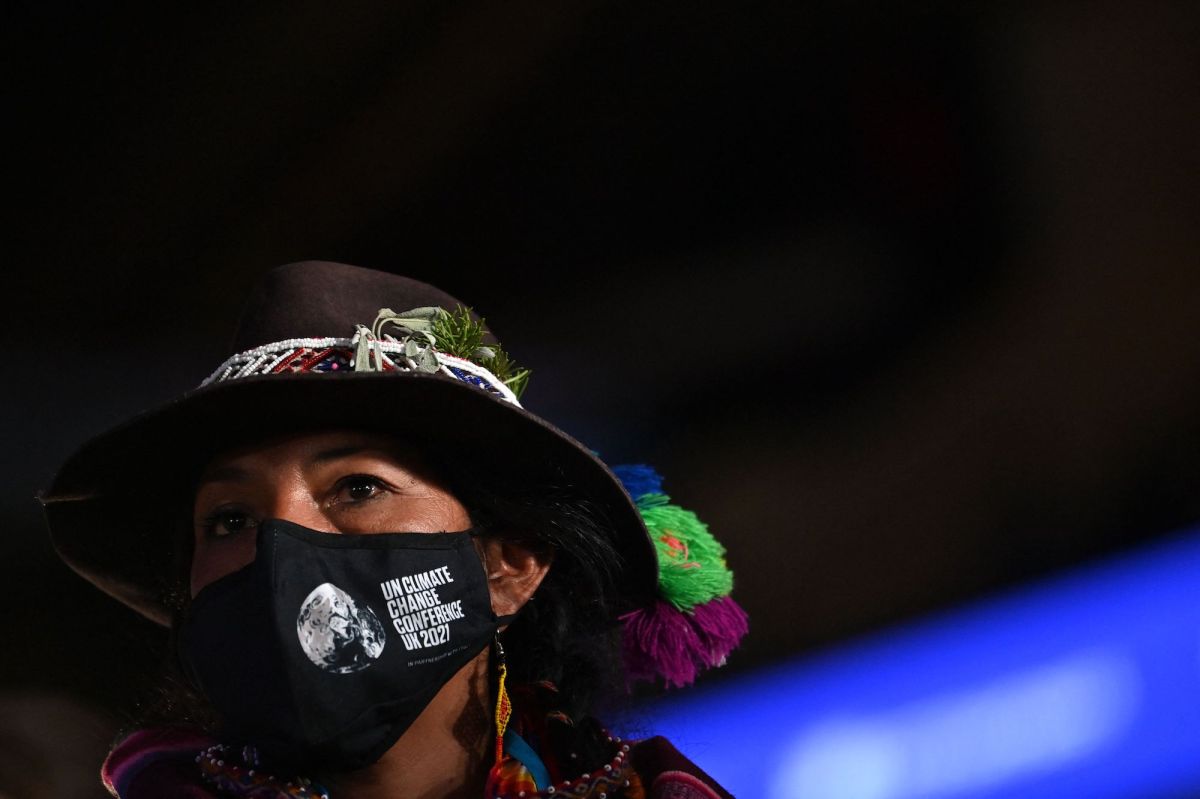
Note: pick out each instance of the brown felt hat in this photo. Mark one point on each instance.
(310, 352)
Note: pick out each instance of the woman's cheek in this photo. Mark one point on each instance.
(215, 557)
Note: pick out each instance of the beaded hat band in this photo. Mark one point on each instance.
(429, 339)
(319, 355)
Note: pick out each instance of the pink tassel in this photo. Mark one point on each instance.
(663, 641)
(660, 641)
(721, 625)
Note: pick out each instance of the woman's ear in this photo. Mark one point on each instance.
(514, 572)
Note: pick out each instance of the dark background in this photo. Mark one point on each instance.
(901, 298)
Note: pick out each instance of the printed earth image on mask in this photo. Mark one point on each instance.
(337, 634)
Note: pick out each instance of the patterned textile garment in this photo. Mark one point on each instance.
(545, 755)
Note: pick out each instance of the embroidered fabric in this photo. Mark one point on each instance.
(330, 355)
(159, 762)
(521, 774)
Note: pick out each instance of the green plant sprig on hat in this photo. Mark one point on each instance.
(459, 334)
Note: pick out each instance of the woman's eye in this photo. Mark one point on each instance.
(227, 522)
(359, 488)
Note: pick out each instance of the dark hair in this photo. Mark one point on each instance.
(567, 634)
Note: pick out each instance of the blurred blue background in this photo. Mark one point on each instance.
(1087, 685)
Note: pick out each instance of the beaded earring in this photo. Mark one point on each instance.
(503, 703)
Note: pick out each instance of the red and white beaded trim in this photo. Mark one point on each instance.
(325, 355)
(612, 781)
(221, 767)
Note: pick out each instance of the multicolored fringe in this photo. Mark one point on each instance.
(695, 624)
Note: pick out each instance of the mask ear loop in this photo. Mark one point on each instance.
(503, 703)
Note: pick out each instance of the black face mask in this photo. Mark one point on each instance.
(326, 648)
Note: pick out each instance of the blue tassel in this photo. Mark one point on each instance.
(638, 479)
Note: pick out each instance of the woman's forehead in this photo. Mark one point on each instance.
(315, 447)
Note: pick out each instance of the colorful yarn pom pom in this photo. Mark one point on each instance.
(695, 624)
(638, 479)
(721, 624)
(658, 642)
(663, 641)
(691, 563)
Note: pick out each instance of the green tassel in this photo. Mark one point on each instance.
(691, 563)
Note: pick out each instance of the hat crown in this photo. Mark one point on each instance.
(312, 299)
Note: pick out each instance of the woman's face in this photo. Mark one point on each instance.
(334, 481)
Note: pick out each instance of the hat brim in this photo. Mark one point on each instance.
(116, 507)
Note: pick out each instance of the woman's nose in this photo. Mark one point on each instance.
(296, 504)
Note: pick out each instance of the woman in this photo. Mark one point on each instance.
(383, 575)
